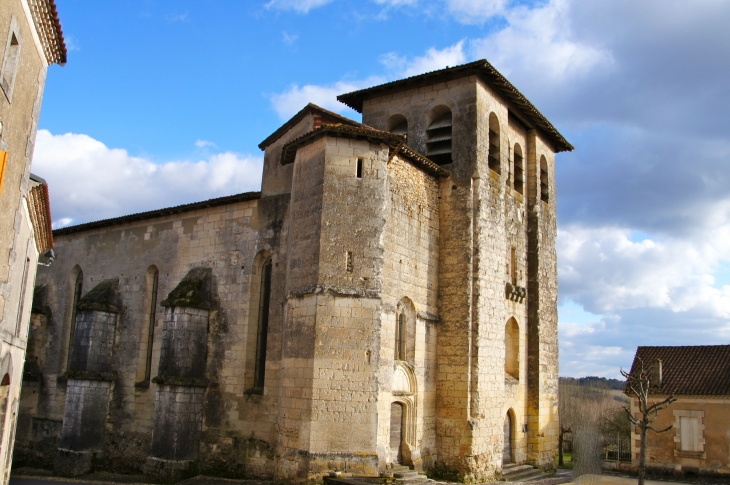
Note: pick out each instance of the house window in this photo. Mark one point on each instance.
(263, 325)
(438, 135)
(358, 169)
(11, 60)
(689, 426)
(689, 433)
(519, 171)
(494, 153)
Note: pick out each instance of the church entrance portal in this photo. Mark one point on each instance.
(507, 452)
(396, 432)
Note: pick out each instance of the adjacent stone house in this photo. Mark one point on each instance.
(389, 297)
(30, 40)
(699, 441)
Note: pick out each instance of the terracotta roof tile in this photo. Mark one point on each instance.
(691, 370)
(230, 199)
(48, 26)
(525, 109)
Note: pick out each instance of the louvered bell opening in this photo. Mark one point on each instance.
(544, 192)
(493, 158)
(401, 129)
(519, 175)
(438, 140)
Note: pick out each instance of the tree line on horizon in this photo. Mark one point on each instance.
(596, 382)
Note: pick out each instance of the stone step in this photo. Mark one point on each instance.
(511, 468)
(525, 475)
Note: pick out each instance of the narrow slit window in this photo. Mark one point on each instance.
(78, 287)
(513, 263)
(359, 168)
(263, 325)
(151, 329)
(348, 262)
(400, 326)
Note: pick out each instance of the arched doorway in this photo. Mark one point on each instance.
(396, 432)
(507, 451)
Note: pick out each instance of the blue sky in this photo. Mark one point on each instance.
(163, 103)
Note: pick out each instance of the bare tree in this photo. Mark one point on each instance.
(639, 383)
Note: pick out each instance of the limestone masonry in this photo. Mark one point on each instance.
(389, 297)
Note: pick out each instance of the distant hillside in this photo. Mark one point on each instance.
(593, 381)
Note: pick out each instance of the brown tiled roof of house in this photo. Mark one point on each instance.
(702, 370)
(525, 110)
(394, 141)
(326, 116)
(48, 26)
(141, 216)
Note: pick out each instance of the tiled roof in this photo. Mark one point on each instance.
(327, 115)
(524, 109)
(48, 26)
(690, 370)
(230, 199)
(39, 208)
(362, 132)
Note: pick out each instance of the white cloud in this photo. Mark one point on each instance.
(433, 60)
(289, 102)
(204, 143)
(301, 6)
(289, 39)
(604, 270)
(90, 181)
(475, 11)
(540, 40)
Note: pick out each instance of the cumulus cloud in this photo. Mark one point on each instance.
(90, 181)
(476, 11)
(434, 59)
(289, 102)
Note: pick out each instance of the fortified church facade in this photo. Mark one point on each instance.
(389, 297)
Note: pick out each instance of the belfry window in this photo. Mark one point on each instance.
(519, 171)
(397, 124)
(544, 187)
(439, 136)
(494, 153)
(263, 325)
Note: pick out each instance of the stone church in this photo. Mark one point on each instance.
(389, 297)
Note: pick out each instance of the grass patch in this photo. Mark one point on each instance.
(567, 460)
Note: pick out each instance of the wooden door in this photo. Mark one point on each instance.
(396, 431)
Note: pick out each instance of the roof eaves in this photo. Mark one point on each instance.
(230, 199)
(48, 27)
(289, 150)
(297, 117)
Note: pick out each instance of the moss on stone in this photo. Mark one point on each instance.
(192, 292)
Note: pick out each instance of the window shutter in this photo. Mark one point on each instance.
(3, 162)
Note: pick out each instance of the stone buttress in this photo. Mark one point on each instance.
(90, 379)
(181, 380)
